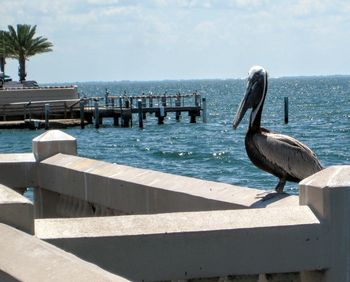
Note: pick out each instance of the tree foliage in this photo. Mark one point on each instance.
(21, 44)
(4, 50)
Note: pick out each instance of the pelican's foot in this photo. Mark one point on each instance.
(268, 195)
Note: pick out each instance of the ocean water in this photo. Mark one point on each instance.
(319, 116)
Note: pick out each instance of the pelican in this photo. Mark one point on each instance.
(281, 155)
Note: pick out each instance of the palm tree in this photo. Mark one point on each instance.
(3, 51)
(22, 44)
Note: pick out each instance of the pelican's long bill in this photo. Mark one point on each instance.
(243, 106)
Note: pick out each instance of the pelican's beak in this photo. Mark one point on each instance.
(243, 106)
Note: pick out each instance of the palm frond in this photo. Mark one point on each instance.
(22, 44)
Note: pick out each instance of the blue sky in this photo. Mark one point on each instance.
(182, 39)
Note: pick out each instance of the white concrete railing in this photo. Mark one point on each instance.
(27, 258)
(195, 244)
(202, 236)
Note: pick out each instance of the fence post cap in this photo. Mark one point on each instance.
(53, 142)
(330, 177)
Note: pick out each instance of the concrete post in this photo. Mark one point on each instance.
(53, 142)
(47, 145)
(328, 195)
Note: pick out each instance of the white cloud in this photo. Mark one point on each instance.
(103, 2)
(110, 11)
(190, 36)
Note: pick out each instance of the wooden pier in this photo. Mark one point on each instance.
(74, 112)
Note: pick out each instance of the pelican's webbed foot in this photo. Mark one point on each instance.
(266, 195)
(280, 186)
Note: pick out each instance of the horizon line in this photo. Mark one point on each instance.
(197, 79)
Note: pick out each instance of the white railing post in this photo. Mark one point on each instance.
(328, 195)
(47, 145)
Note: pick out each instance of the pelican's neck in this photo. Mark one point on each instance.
(255, 121)
(255, 116)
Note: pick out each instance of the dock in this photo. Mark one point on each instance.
(62, 113)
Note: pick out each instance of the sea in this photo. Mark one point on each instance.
(319, 116)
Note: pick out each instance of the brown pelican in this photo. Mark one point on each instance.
(280, 155)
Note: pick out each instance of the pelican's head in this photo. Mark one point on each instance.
(254, 95)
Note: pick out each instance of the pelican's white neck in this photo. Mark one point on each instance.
(262, 97)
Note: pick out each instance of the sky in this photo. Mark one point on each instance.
(114, 40)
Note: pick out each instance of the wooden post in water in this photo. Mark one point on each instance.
(163, 99)
(178, 104)
(161, 115)
(131, 106)
(116, 119)
(196, 98)
(82, 119)
(286, 110)
(126, 118)
(204, 109)
(97, 115)
(144, 105)
(47, 110)
(139, 106)
(106, 98)
(192, 115)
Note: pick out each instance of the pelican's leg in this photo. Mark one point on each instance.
(280, 186)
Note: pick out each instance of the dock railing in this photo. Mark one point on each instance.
(154, 100)
(169, 227)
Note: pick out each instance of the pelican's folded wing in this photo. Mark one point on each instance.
(288, 153)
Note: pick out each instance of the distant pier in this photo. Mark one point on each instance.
(122, 108)
(92, 110)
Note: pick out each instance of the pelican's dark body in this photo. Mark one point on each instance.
(260, 161)
(281, 155)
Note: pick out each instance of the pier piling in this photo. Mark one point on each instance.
(286, 110)
(47, 111)
(196, 98)
(116, 119)
(139, 106)
(204, 109)
(192, 115)
(82, 119)
(144, 105)
(126, 118)
(161, 115)
(178, 104)
(97, 115)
